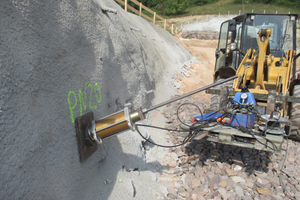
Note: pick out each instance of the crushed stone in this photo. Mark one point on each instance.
(207, 170)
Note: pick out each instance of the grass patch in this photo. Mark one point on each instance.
(225, 6)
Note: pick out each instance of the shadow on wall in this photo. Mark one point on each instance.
(49, 48)
(106, 174)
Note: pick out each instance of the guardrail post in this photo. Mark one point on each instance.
(140, 12)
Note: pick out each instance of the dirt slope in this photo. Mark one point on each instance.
(199, 74)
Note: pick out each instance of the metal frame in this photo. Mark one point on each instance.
(258, 96)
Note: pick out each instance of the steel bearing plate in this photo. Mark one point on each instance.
(86, 148)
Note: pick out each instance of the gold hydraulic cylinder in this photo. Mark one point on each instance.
(89, 132)
(118, 122)
(124, 119)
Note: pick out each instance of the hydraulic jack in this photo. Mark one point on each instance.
(91, 132)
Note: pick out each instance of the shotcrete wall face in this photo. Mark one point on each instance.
(62, 59)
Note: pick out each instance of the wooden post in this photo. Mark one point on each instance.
(264, 11)
(228, 13)
(140, 12)
(289, 12)
(154, 17)
(276, 12)
(125, 6)
(172, 28)
(239, 12)
(165, 25)
(252, 10)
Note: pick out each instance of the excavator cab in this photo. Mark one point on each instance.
(239, 34)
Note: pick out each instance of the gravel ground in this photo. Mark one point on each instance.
(208, 170)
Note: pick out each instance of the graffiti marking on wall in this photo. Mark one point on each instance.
(72, 97)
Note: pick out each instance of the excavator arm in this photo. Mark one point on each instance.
(261, 72)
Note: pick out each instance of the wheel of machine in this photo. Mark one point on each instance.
(295, 113)
(215, 99)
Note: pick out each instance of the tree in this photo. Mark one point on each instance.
(175, 7)
(202, 2)
(289, 3)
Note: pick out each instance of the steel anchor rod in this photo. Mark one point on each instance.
(189, 94)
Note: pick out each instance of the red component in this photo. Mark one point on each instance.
(193, 120)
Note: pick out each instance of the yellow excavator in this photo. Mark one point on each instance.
(261, 50)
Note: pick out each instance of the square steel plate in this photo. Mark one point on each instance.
(86, 149)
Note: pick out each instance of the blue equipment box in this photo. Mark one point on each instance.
(208, 116)
(249, 98)
(245, 120)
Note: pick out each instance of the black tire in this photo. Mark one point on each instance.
(215, 99)
(295, 112)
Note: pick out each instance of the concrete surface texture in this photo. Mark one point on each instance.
(59, 60)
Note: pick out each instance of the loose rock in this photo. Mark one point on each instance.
(208, 170)
(264, 191)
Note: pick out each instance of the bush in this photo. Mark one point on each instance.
(201, 2)
(175, 7)
(289, 3)
(286, 3)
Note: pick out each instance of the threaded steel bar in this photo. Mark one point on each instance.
(189, 94)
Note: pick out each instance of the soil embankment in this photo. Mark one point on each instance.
(199, 73)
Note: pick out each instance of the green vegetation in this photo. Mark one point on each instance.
(224, 7)
(286, 3)
(172, 7)
(179, 8)
(175, 7)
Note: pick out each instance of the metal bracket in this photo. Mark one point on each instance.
(128, 119)
(86, 145)
(223, 95)
(92, 133)
(271, 101)
(258, 96)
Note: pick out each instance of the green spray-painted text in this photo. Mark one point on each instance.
(72, 97)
